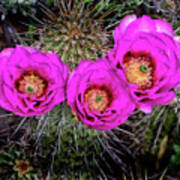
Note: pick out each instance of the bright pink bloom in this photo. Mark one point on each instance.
(31, 83)
(99, 99)
(147, 56)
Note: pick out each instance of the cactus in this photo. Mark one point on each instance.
(14, 6)
(80, 29)
(63, 147)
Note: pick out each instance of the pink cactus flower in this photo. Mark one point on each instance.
(99, 99)
(147, 56)
(31, 83)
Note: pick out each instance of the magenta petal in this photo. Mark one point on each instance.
(61, 67)
(15, 63)
(146, 108)
(121, 29)
(71, 92)
(144, 24)
(126, 21)
(4, 100)
(98, 74)
(155, 38)
(164, 27)
(6, 52)
(165, 98)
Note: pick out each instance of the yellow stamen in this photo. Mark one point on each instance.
(139, 71)
(97, 99)
(31, 84)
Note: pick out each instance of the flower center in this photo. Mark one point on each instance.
(98, 98)
(139, 69)
(23, 166)
(31, 83)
